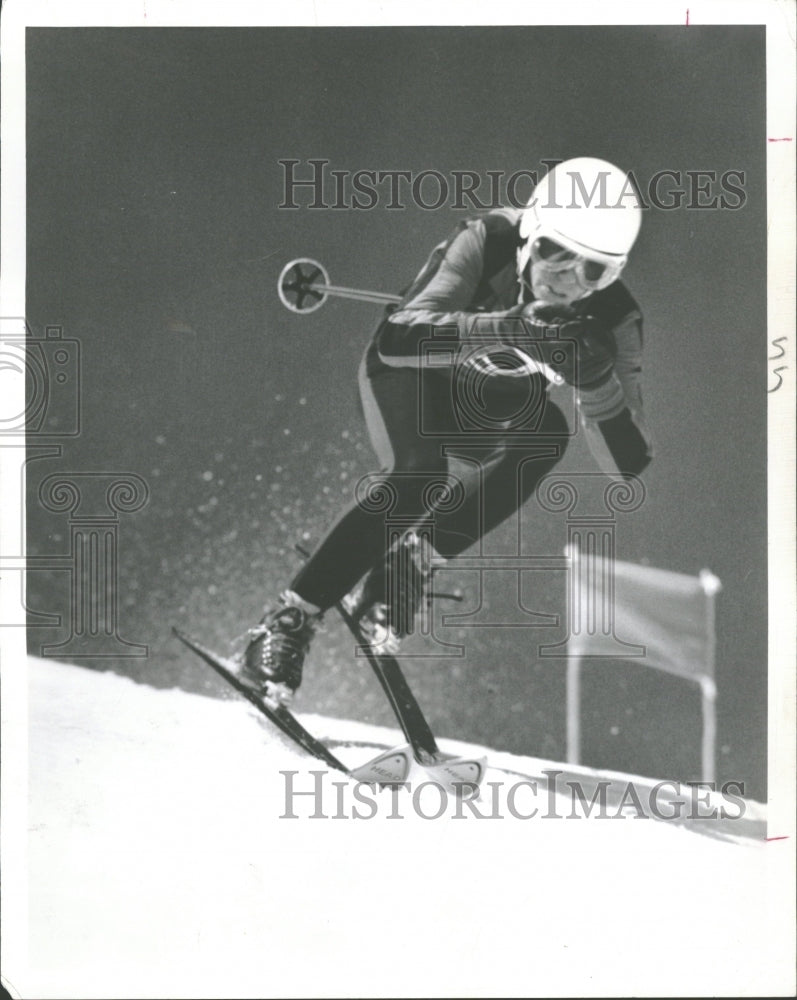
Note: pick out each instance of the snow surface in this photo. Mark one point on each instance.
(158, 866)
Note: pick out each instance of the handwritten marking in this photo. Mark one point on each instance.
(770, 839)
(687, 17)
(786, 138)
(781, 368)
(777, 371)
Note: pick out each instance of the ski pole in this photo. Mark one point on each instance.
(304, 285)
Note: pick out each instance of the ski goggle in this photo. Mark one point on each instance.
(592, 272)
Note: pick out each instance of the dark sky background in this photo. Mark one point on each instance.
(155, 239)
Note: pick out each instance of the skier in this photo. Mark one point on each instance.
(485, 300)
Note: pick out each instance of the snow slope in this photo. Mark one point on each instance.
(158, 866)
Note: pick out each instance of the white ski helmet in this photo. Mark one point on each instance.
(584, 214)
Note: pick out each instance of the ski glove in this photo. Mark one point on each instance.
(595, 343)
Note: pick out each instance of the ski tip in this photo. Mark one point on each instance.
(390, 767)
(460, 775)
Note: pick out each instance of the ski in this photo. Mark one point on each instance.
(462, 775)
(389, 768)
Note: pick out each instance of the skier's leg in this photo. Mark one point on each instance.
(391, 594)
(508, 479)
(359, 539)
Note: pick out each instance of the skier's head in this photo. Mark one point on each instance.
(578, 229)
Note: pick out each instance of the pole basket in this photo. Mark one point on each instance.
(301, 283)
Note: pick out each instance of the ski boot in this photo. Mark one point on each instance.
(385, 604)
(271, 664)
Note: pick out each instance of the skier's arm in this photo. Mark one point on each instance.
(611, 414)
(440, 309)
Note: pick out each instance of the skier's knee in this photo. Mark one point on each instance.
(409, 487)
